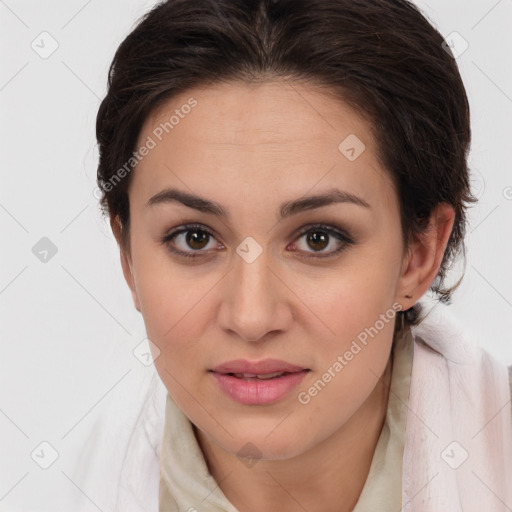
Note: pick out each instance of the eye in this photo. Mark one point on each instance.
(194, 237)
(198, 238)
(320, 236)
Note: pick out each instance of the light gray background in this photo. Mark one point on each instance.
(68, 326)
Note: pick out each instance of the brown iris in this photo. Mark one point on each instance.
(317, 237)
(197, 237)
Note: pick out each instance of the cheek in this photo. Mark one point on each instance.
(175, 320)
(357, 306)
(361, 321)
(358, 310)
(169, 293)
(354, 296)
(172, 305)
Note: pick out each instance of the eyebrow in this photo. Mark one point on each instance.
(287, 209)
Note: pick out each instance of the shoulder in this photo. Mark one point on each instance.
(462, 390)
(445, 350)
(127, 429)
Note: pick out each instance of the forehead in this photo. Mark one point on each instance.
(268, 113)
(280, 135)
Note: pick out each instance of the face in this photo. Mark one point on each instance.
(303, 283)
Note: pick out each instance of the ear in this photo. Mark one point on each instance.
(424, 257)
(126, 262)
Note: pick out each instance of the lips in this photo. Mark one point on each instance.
(267, 368)
(258, 383)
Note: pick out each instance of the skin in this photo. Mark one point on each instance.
(251, 148)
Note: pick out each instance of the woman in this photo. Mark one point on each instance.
(286, 180)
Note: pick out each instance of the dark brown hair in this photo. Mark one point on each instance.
(382, 57)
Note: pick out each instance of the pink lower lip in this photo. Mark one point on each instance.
(258, 392)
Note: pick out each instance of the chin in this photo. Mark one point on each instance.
(260, 446)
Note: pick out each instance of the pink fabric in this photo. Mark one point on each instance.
(458, 441)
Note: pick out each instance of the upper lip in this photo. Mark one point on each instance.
(257, 367)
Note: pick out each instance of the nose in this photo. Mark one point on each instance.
(255, 302)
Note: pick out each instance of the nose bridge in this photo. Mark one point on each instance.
(251, 295)
(252, 275)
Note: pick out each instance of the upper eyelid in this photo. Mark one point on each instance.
(345, 236)
(298, 232)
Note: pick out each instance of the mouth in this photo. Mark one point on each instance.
(254, 377)
(260, 386)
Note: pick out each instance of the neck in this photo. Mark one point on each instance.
(327, 478)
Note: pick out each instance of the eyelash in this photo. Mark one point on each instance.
(330, 230)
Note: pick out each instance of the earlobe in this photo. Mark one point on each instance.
(126, 264)
(424, 257)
